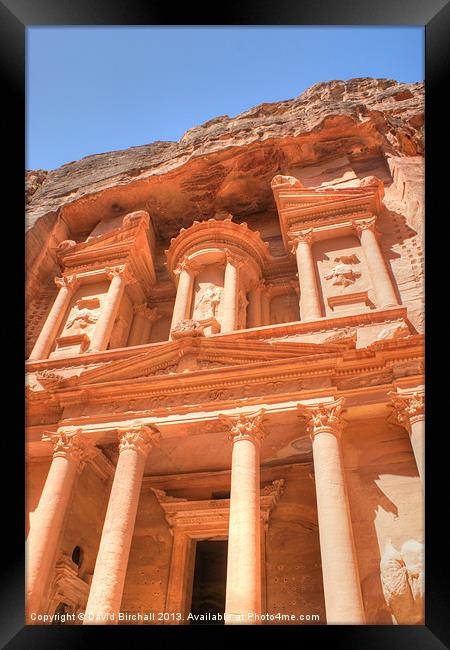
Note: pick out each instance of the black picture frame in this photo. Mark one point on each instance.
(15, 17)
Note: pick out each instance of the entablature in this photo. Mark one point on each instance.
(330, 211)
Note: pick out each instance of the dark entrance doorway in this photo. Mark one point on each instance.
(210, 574)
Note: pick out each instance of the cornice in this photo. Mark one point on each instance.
(220, 394)
(223, 234)
(266, 333)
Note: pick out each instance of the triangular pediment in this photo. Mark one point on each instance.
(201, 354)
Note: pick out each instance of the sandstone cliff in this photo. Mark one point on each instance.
(331, 133)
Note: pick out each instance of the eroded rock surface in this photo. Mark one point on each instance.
(228, 162)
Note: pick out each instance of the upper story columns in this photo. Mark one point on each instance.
(119, 277)
(231, 292)
(381, 281)
(67, 286)
(206, 260)
(142, 324)
(309, 292)
(185, 272)
(310, 214)
(84, 313)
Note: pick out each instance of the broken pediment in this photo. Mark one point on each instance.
(299, 207)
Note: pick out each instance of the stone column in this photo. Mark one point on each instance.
(342, 590)
(243, 589)
(265, 304)
(255, 306)
(108, 580)
(410, 412)
(310, 308)
(142, 324)
(119, 277)
(48, 333)
(183, 300)
(382, 285)
(69, 449)
(230, 294)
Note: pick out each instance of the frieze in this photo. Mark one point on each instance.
(323, 217)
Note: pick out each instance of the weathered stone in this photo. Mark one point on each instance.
(265, 267)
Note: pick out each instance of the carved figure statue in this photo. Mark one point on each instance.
(402, 579)
(207, 302)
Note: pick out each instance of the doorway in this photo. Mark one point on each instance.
(210, 574)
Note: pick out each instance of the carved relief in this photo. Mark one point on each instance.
(242, 311)
(402, 580)
(191, 327)
(83, 314)
(207, 301)
(397, 331)
(342, 273)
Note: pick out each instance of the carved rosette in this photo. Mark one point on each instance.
(139, 438)
(70, 442)
(69, 281)
(324, 417)
(245, 426)
(408, 407)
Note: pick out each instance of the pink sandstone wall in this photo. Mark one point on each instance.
(385, 495)
(148, 568)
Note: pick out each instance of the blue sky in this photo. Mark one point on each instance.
(96, 89)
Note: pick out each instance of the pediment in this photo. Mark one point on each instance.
(102, 242)
(201, 355)
(294, 199)
(321, 201)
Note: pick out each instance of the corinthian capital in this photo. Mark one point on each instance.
(323, 417)
(306, 236)
(408, 407)
(121, 271)
(368, 224)
(186, 265)
(70, 281)
(245, 426)
(69, 442)
(235, 260)
(139, 438)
